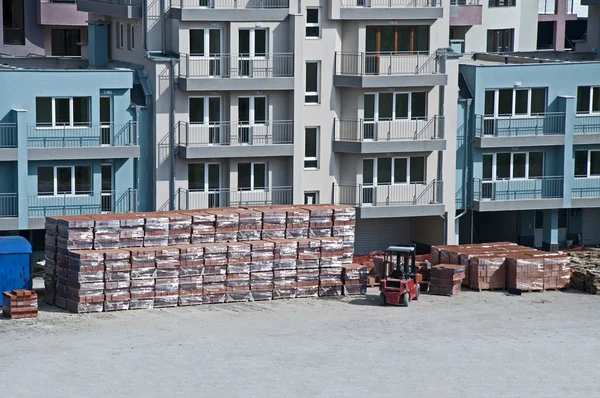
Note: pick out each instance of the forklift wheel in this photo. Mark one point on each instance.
(405, 299)
(418, 292)
(382, 300)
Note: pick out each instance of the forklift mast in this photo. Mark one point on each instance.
(405, 260)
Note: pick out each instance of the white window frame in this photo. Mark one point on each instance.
(514, 101)
(252, 110)
(394, 94)
(314, 194)
(252, 187)
(313, 93)
(206, 120)
(207, 42)
(71, 115)
(393, 174)
(317, 146)
(73, 191)
(120, 35)
(511, 166)
(590, 111)
(589, 164)
(312, 24)
(206, 186)
(253, 43)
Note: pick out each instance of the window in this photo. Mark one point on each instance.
(515, 102)
(252, 176)
(64, 180)
(588, 100)
(60, 112)
(395, 106)
(499, 41)
(130, 36)
(313, 28)
(13, 22)
(252, 110)
(394, 170)
(397, 39)
(204, 110)
(196, 176)
(311, 148)
(204, 177)
(313, 82)
(65, 42)
(502, 3)
(513, 165)
(311, 198)
(253, 43)
(120, 35)
(587, 163)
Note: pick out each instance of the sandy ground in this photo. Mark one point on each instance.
(476, 344)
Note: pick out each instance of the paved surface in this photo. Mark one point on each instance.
(476, 344)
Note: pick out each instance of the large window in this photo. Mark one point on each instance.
(62, 112)
(311, 148)
(499, 41)
(397, 39)
(65, 42)
(519, 165)
(394, 171)
(204, 177)
(252, 176)
(13, 22)
(588, 100)
(395, 106)
(515, 102)
(587, 163)
(502, 3)
(64, 180)
(313, 82)
(204, 110)
(313, 23)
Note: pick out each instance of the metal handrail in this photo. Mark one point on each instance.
(414, 193)
(548, 187)
(389, 130)
(237, 65)
(236, 134)
(188, 199)
(520, 125)
(83, 135)
(389, 64)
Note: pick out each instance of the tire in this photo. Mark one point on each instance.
(405, 299)
(382, 300)
(418, 292)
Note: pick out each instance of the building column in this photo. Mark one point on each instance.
(566, 104)
(560, 25)
(550, 239)
(20, 117)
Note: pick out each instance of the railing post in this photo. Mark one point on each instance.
(362, 64)
(187, 66)
(360, 196)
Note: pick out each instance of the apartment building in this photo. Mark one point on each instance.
(493, 25)
(42, 27)
(528, 157)
(69, 142)
(554, 15)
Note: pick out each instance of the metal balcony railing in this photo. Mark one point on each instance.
(9, 205)
(189, 199)
(464, 2)
(90, 203)
(236, 66)
(585, 187)
(109, 134)
(392, 64)
(519, 126)
(235, 4)
(389, 130)
(417, 193)
(8, 135)
(233, 134)
(586, 124)
(129, 3)
(391, 3)
(521, 189)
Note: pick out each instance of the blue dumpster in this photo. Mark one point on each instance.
(15, 252)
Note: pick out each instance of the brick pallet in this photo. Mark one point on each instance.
(20, 303)
(446, 279)
(153, 260)
(354, 278)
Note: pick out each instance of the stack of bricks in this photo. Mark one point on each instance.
(344, 222)
(117, 279)
(84, 289)
(156, 230)
(143, 278)
(261, 270)
(215, 273)
(19, 303)
(321, 221)
(166, 288)
(446, 279)
(285, 284)
(203, 227)
(106, 232)
(180, 229)
(239, 258)
(131, 232)
(297, 223)
(191, 271)
(500, 265)
(307, 267)
(50, 261)
(250, 224)
(354, 277)
(330, 267)
(226, 225)
(274, 222)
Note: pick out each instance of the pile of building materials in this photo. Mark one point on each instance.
(502, 265)
(586, 271)
(19, 303)
(445, 279)
(115, 262)
(355, 278)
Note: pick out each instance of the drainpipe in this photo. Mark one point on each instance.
(172, 135)
(466, 163)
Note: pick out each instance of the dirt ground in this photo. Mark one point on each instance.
(473, 345)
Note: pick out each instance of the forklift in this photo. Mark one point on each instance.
(401, 286)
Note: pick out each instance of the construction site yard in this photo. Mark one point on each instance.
(474, 344)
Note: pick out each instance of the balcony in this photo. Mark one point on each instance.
(225, 197)
(235, 140)
(229, 10)
(466, 12)
(236, 72)
(60, 13)
(115, 8)
(523, 194)
(8, 141)
(390, 9)
(586, 130)
(392, 200)
(376, 70)
(109, 140)
(364, 136)
(41, 206)
(519, 131)
(585, 192)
